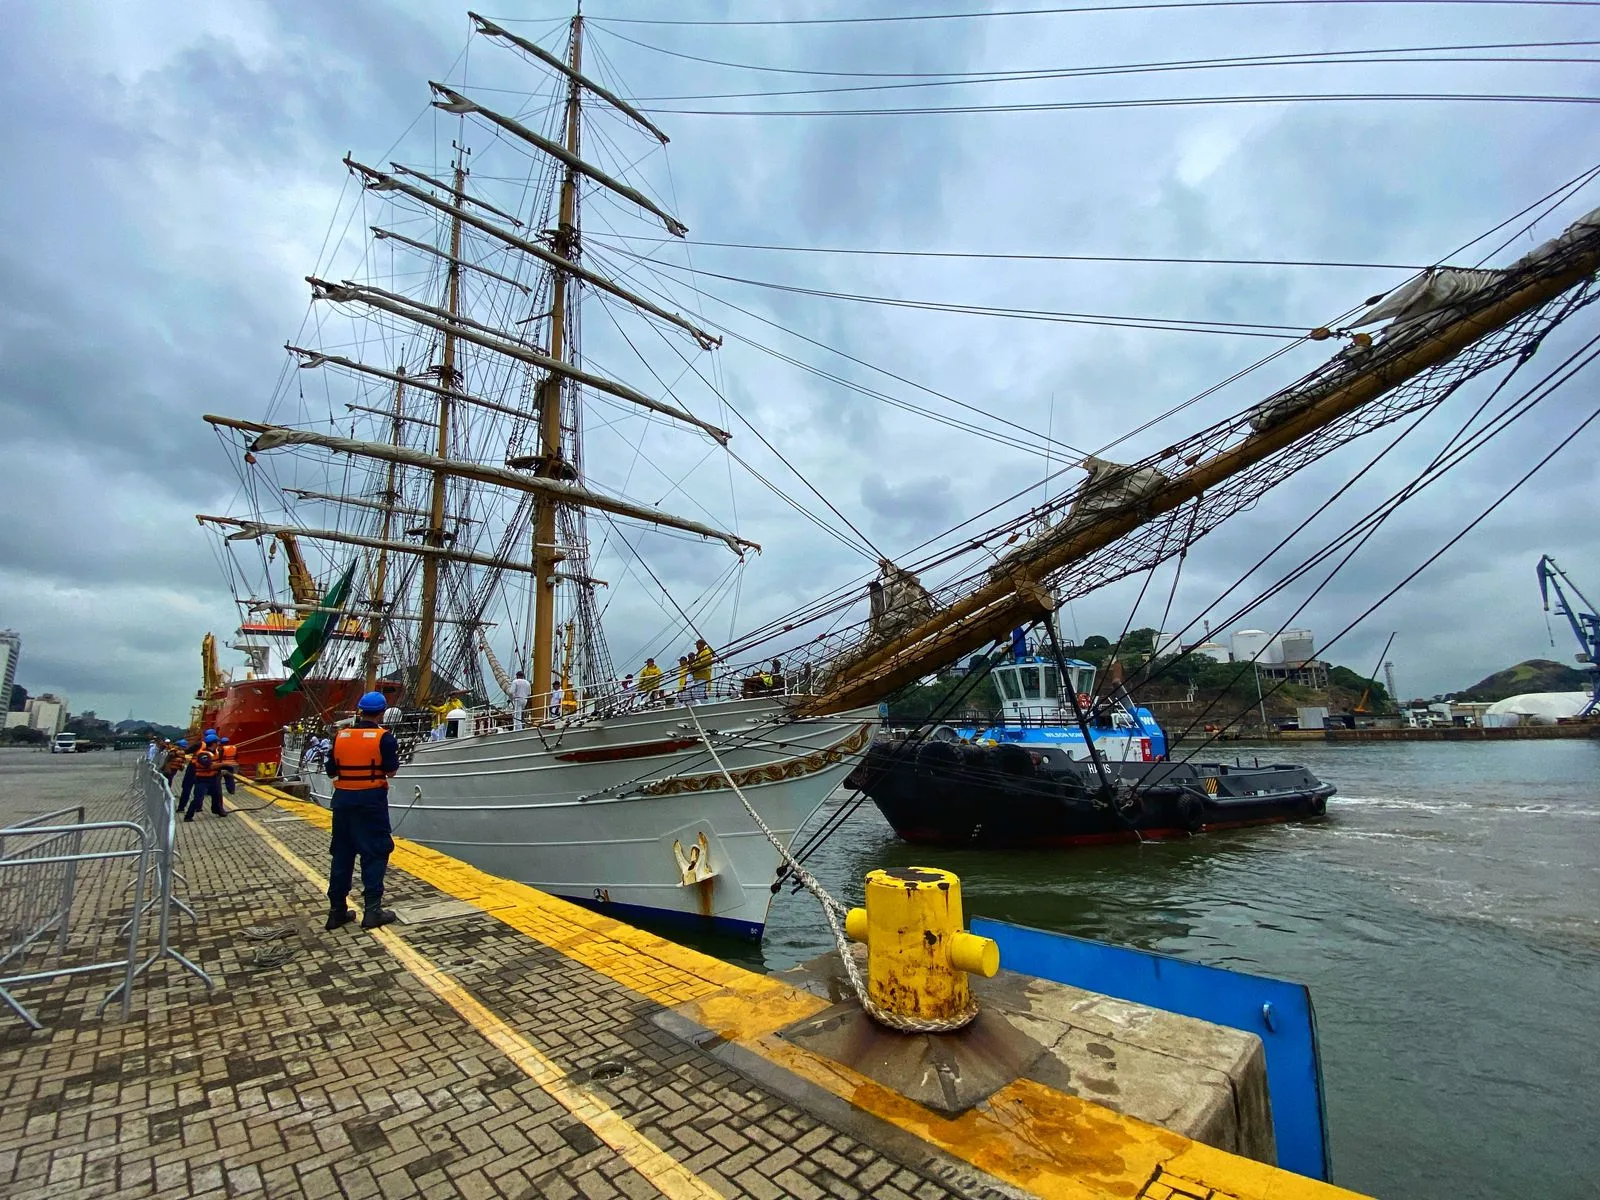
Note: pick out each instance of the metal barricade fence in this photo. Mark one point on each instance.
(155, 810)
(38, 877)
(43, 903)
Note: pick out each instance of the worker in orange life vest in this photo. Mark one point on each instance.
(177, 759)
(230, 763)
(362, 758)
(207, 766)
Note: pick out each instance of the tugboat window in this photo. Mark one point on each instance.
(1052, 683)
(1008, 684)
(1030, 682)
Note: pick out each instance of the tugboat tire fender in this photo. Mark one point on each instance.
(1192, 813)
(1012, 760)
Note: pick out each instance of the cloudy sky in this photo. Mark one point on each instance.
(174, 170)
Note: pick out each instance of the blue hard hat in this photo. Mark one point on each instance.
(211, 737)
(183, 743)
(223, 740)
(373, 702)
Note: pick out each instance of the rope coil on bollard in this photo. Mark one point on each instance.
(834, 912)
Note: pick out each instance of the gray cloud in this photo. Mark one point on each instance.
(175, 173)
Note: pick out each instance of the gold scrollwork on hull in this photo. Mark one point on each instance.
(794, 768)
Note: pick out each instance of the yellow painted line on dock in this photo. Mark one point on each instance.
(1044, 1141)
(668, 1176)
(656, 968)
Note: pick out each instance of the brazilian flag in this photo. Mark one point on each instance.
(312, 636)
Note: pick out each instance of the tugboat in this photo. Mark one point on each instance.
(1065, 769)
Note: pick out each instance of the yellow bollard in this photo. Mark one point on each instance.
(918, 956)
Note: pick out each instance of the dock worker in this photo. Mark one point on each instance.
(207, 766)
(190, 753)
(362, 759)
(177, 759)
(153, 751)
(700, 668)
(521, 693)
(230, 763)
(650, 680)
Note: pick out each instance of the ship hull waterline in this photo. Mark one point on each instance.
(607, 813)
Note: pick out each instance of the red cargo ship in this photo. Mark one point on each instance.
(250, 713)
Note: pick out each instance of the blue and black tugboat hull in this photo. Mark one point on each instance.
(946, 794)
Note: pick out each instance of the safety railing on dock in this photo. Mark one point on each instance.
(40, 860)
(155, 809)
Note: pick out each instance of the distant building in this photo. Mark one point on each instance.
(1291, 647)
(1297, 645)
(47, 713)
(16, 719)
(1215, 651)
(1312, 673)
(1252, 645)
(10, 651)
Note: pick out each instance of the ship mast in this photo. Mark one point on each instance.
(550, 463)
(421, 691)
(380, 575)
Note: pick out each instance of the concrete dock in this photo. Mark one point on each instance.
(501, 1042)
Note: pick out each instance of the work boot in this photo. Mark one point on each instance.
(339, 914)
(375, 914)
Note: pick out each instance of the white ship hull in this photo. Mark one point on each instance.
(603, 812)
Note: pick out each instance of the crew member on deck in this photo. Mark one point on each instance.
(650, 681)
(207, 767)
(521, 692)
(683, 674)
(700, 668)
(362, 759)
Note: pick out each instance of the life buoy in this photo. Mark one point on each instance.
(1084, 701)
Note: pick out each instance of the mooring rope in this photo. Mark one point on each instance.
(834, 912)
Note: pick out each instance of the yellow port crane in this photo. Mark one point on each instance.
(210, 673)
(301, 585)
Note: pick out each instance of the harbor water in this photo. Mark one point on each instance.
(1446, 917)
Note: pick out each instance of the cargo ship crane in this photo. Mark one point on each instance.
(1585, 624)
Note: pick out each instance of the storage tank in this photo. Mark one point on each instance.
(1251, 644)
(1299, 645)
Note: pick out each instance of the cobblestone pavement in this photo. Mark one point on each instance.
(321, 1066)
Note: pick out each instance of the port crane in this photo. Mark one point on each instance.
(1585, 624)
(1361, 704)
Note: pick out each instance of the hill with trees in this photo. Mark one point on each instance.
(1534, 675)
(1181, 689)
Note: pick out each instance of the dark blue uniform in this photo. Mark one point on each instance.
(206, 768)
(361, 825)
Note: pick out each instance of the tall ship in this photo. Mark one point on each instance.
(489, 396)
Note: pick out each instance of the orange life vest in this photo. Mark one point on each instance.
(205, 765)
(230, 757)
(177, 759)
(358, 751)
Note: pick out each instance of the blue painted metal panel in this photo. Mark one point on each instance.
(1279, 1013)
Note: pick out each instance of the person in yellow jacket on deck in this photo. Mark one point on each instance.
(683, 675)
(649, 683)
(700, 668)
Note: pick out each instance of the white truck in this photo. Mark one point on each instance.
(65, 743)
